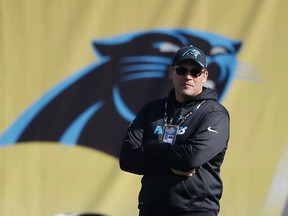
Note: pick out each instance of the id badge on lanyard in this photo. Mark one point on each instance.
(169, 130)
(170, 133)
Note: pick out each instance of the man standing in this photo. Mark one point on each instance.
(178, 144)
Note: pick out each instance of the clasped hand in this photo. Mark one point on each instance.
(183, 173)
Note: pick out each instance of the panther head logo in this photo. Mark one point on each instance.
(193, 52)
(94, 106)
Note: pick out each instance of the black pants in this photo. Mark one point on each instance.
(202, 213)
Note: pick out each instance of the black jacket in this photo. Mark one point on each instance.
(200, 144)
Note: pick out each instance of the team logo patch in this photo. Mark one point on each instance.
(193, 52)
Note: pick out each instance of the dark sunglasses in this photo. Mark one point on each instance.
(195, 72)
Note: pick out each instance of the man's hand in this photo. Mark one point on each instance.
(183, 173)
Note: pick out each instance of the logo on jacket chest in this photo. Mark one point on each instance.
(159, 130)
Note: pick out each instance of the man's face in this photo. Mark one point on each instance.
(187, 85)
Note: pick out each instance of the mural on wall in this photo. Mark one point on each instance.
(74, 74)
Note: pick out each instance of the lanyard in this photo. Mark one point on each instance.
(183, 119)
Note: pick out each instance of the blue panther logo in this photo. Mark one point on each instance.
(94, 106)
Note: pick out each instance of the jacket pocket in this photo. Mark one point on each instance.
(172, 192)
(196, 187)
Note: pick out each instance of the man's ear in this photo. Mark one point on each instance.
(170, 71)
(205, 76)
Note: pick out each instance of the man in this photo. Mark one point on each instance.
(178, 144)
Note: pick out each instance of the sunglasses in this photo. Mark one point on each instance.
(195, 72)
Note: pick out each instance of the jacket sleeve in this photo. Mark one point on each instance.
(210, 138)
(132, 158)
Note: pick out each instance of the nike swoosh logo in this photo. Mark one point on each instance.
(210, 129)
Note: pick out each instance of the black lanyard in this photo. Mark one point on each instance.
(183, 119)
